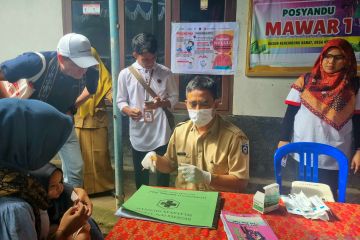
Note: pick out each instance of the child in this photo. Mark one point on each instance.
(62, 196)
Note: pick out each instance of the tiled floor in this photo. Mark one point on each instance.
(105, 205)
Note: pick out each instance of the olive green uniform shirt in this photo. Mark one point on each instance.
(222, 150)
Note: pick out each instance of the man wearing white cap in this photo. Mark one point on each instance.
(67, 78)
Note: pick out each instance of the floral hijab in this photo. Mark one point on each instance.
(331, 97)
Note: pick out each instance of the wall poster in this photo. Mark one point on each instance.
(204, 48)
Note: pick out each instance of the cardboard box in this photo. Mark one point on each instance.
(268, 200)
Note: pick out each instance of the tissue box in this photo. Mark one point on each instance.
(268, 200)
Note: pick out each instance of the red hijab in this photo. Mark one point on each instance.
(331, 97)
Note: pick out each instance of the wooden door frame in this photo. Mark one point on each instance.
(225, 106)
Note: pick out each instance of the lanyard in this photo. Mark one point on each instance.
(148, 82)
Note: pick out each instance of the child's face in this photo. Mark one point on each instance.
(56, 186)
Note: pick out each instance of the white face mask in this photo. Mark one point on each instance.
(201, 117)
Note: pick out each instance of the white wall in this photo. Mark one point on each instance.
(36, 25)
(29, 25)
(256, 96)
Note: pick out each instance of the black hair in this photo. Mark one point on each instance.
(143, 43)
(202, 83)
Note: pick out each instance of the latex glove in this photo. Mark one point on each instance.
(194, 174)
(149, 161)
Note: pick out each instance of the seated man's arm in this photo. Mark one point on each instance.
(168, 162)
(161, 163)
(164, 165)
(238, 163)
(228, 183)
(153, 161)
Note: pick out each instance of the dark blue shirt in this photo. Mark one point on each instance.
(65, 89)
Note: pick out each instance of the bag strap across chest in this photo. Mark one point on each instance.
(142, 81)
(39, 74)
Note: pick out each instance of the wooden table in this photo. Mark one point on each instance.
(285, 225)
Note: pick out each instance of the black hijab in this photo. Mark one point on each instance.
(32, 132)
(57, 207)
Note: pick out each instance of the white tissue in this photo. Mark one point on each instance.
(311, 208)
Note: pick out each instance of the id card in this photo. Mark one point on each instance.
(148, 115)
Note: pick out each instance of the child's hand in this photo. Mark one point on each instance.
(84, 199)
(73, 219)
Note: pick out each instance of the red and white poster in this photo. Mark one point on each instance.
(204, 48)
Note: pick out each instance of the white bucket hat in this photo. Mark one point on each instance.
(78, 48)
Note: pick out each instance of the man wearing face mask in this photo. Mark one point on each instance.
(209, 152)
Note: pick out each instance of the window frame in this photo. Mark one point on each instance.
(172, 14)
(225, 104)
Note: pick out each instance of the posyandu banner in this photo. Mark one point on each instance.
(204, 48)
(291, 33)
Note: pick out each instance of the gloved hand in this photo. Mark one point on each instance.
(149, 161)
(194, 174)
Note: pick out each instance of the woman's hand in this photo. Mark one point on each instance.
(84, 199)
(355, 163)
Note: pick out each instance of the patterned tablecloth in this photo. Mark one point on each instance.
(285, 225)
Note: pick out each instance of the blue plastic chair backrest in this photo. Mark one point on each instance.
(309, 153)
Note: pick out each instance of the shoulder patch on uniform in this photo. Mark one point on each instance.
(245, 148)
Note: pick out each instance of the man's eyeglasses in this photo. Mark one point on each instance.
(335, 57)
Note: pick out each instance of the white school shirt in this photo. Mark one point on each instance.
(146, 136)
(310, 128)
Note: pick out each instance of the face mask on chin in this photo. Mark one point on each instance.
(201, 117)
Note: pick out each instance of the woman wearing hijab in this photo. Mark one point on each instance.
(32, 132)
(63, 196)
(324, 107)
(91, 126)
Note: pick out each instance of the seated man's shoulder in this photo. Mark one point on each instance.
(183, 125)
(229, 126)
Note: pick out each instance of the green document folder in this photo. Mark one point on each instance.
(191, 208)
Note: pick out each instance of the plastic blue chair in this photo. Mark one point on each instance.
(309, 152)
